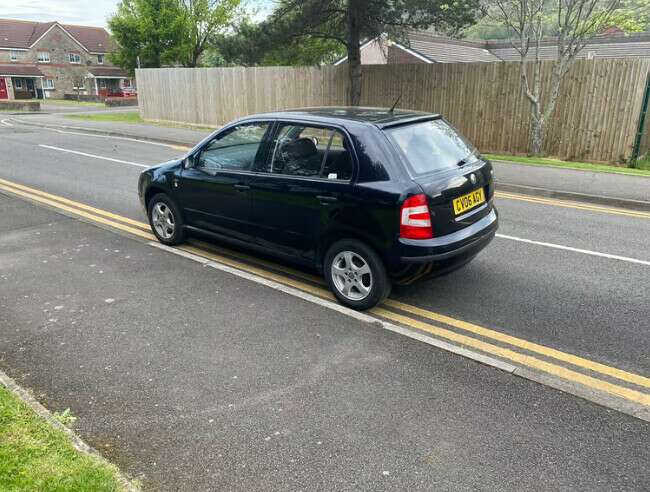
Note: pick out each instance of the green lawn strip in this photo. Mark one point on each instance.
(132, 117)
(72, 102)
(642, 170)
(36, 456)
(122, 116)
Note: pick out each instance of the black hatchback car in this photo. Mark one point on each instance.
(367, 196)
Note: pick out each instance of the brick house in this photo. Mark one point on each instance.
(48, 59)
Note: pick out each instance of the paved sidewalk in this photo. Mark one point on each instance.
(604, 188)
(193, 379)
(607, 185)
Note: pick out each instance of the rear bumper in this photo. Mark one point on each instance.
(464, 243)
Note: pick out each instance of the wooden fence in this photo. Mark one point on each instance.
(596, 117)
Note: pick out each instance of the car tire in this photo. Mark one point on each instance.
(356, 275)
(166, 220)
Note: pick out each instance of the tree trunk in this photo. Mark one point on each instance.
(537, 129)
(354, 53)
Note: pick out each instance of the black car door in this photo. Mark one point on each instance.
(302, 188)
(214, 187)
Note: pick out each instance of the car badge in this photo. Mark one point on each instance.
(472, 178)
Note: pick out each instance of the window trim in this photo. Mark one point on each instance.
(48, 88)
(100, 61)
(18, 84)
(45, 58)
(76, 55)
(13, 56)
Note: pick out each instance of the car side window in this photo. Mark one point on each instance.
(237, 149)
(310, 151)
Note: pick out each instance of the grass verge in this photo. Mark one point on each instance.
(131, 117)
(72, 102)
(642, 169)
(36, 456)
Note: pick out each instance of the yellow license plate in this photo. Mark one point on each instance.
(469, 201)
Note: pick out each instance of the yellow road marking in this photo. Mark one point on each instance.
(82, 206)
(78, 212)
(269, 264)
(576, 205)
(524, 344)
(526, 360)
(59, 202)
(258, 271)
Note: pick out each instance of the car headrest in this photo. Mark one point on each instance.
(301, 148)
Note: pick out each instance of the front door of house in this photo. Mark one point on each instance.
(3, 89)
(30, 88)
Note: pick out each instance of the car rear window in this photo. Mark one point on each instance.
(431, 146)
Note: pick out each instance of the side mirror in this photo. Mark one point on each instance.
(188, 162)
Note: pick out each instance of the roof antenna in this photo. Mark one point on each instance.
(395, 103)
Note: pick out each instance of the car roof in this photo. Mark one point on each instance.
(381, 117)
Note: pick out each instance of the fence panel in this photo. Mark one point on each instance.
(596, 116)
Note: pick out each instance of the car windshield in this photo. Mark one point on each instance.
(432, 146)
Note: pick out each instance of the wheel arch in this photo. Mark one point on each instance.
(335, 235)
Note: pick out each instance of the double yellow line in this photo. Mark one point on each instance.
(521, 352)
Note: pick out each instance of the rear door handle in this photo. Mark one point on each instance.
(241, 187)
(325, 199)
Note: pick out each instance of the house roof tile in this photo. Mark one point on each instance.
(108, 72)
(22, 35)
(20, 70)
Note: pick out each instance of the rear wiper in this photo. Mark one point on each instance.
(462, 162)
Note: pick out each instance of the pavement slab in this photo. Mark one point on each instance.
(193, 379)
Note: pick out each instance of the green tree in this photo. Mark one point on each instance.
(252, 44)
(204, 19)
(149, 29)
(349, 22)
(163, 32)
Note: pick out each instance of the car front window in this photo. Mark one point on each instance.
(431, 146)
(236, 149)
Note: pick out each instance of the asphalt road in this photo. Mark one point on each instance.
(193, 379)
(358, 402)
(587, 305)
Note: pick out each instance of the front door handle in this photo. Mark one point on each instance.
(242, 187)
(325, 199)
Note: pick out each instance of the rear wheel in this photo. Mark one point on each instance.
(165, 220)
(356, 275)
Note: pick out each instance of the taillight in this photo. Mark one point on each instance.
(415, 219)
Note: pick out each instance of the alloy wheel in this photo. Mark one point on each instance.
(163, 221)
(351, 275)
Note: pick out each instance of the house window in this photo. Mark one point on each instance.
(74, 57)
(48, 83)
(13, 56)
(100, 59)
(43, 57)
(18, 83)
(126, 83)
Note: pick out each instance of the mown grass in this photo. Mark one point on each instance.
(34, 456)
(121, 116)
(72, 102)
(642, 166)
(132, 117)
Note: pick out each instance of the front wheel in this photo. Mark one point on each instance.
(356, 275)
(165, 220)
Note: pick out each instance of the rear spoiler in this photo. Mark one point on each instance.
(408, 121)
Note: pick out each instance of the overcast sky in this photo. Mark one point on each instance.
(85, 12)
